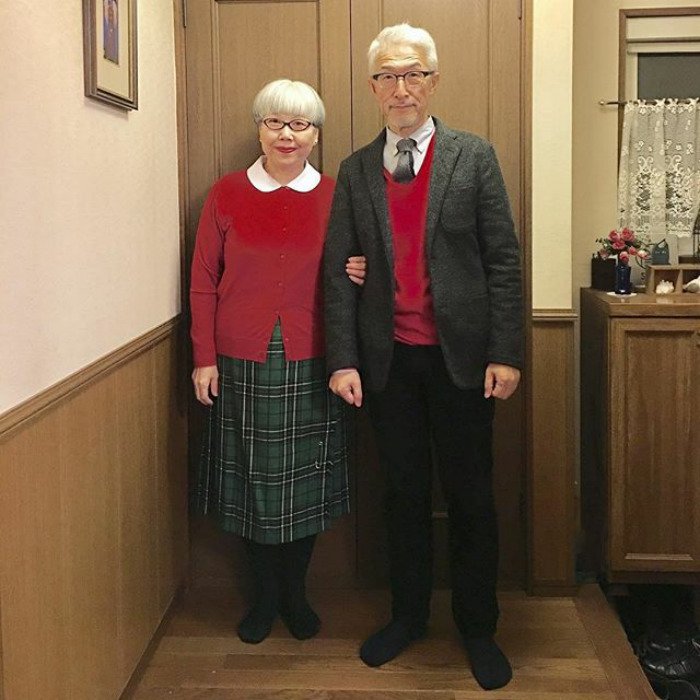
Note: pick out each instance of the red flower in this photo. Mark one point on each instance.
(624, 244)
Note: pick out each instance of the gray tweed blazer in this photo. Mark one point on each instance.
(473, 263)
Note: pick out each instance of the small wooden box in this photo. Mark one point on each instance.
(603, 274)
(676, 274)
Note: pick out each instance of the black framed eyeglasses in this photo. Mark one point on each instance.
(295, 124)
(412, 77)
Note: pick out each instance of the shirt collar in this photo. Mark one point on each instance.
(263, 181)
(421, 136)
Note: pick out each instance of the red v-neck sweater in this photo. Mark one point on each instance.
(414, 317)
(257, 258)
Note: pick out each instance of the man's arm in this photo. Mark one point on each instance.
(500, 256)
(347, 384)
(340, 293)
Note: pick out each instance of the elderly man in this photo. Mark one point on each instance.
(433, 337)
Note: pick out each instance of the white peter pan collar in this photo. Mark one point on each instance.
(263, 181)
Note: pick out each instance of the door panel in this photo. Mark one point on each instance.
(233, 47)
(654, 446)
(478, 44)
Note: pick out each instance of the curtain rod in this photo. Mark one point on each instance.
(619, 103)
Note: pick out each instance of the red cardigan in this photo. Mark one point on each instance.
(257, 258)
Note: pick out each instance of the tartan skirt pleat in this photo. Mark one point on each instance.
(274, 460)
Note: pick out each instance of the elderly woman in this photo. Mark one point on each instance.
(274, 464)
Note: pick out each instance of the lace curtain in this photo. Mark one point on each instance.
(659, 181)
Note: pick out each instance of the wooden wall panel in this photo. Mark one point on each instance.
(171, 474)
(35, 654)
(88, 461)
(92, 524)
(552, 487)
(2, 675)
(136, 501)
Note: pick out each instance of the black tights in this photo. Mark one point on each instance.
(279, 573)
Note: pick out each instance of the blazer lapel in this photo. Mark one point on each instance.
(444, 159)
(373, 170)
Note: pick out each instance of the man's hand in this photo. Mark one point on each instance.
(347, 384)
(500, 381)
(356, 269)
(206, 380)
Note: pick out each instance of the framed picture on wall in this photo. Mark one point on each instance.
(109, 48)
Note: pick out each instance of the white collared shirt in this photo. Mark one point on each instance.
(263, 181)
(421, 136)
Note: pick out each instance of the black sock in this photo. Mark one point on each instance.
(390, 641)
(299, 616)
(257, 624)
(490, 666)
(264, 562)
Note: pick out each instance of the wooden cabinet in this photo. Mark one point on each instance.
(640, 411)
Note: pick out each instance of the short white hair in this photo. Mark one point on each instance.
(292, 97)
(403, 33)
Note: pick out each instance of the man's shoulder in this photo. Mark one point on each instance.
(464, 138)
(372, 149)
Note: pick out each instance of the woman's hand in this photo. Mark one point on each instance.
(356, 269)
(206, 382)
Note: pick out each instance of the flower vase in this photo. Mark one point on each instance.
(623, 278)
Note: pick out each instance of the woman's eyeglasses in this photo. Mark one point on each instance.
(295, 124)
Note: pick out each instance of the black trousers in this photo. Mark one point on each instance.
(420, 403)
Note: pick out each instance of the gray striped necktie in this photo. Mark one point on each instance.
(404, 167)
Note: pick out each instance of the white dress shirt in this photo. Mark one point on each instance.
(421, 136)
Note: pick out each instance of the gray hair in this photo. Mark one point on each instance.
(290, 97)
(404, 34)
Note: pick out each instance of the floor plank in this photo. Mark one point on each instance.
(560, 648)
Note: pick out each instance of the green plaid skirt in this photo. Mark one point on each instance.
(274, 458)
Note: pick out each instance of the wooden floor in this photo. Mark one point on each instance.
(568, 648)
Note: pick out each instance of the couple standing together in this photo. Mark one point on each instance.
(406, 275)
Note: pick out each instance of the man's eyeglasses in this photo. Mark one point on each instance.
(295, 125)
(386, 81)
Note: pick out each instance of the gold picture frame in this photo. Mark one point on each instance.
(110, 52)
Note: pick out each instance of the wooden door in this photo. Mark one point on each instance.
(478, 44)
(232, 48)
(654, 445)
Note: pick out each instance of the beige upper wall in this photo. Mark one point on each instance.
(552, 29)
(596, 26)
(89, 235)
